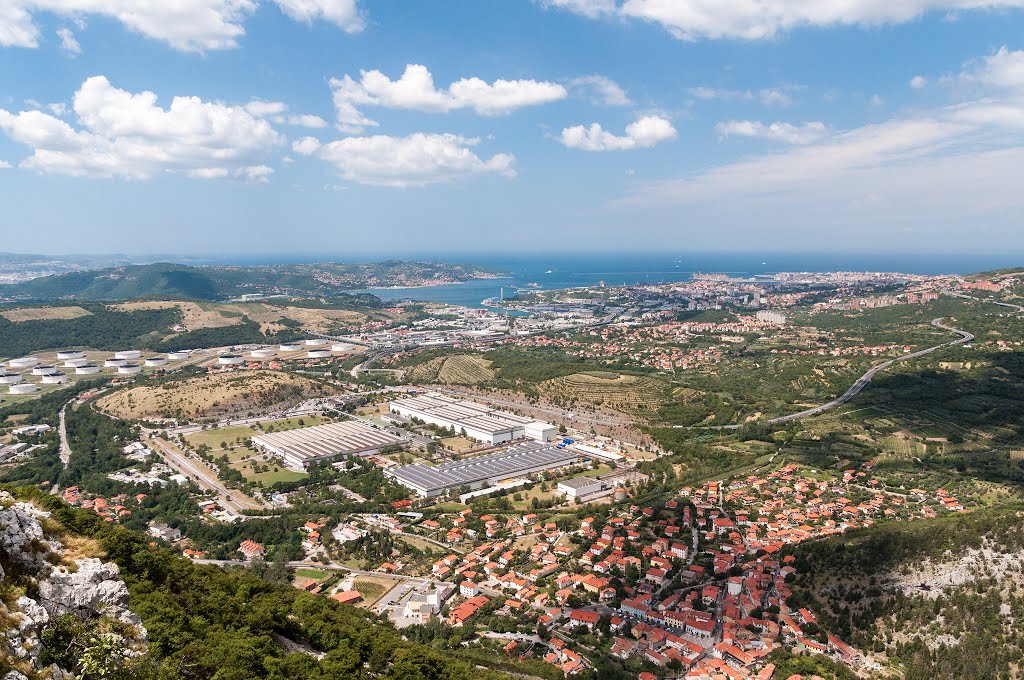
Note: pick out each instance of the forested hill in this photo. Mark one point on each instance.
(941, 598)
(176, 281)
(204, 622)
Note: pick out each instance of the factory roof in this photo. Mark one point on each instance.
(498, 465)
(462, 413)
(322, 441)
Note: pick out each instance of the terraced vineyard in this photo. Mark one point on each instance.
(460, 369)
(627, 393)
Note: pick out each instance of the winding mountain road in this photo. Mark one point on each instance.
(862, 382)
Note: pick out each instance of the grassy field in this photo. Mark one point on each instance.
(270, 477)
(210, 395)
(304, 572)
(234, 436)
(44, 313)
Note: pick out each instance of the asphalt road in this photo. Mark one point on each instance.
(232, 499)
(862, 382)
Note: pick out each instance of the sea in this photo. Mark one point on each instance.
(554, 270)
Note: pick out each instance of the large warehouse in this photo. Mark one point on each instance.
(298, 448)
(477, 420)
(491, 468)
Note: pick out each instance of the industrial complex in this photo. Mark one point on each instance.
(473, 420)
(299, 448)
(492, 468)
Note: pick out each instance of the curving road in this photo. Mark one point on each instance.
(862, 382)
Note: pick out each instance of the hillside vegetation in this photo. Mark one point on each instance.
(941, 598)
(204, 623)
(207, 396)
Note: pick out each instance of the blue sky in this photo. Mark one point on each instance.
(344, 126)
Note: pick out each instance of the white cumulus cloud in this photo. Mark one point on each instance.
(769, 96)
(644, 133)
(600, 90)
(68, 42)
(765, 19)
(415, 160)
(343, 13)
(4, 165)
(191, 25)
(306, 146)
(128, 135)
(415, 90)
(588, 8)
(918, 82)
(804, 133)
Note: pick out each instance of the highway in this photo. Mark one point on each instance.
(861, 383)
(231, 499)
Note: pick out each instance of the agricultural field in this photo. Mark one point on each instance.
(44, 313)
(211, 396)
(372, 589)
(617, 391)
(459, 369)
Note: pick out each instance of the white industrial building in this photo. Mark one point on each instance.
(289, 347)
(114, 363)
(24, 388)
(156, 361)
(580, 486)
(477, 421)
(178, 356)
(70, 354)
(87, 369)
(774, 318)
(10, 378)
(298, 448)
(75, 363)
(23, 362)
(316, 342)
(54, 379)
(47, 369)
(318, 353)
(129, 369)
(128, 354)
(489, 469)
(342, 347)
(231, 360)
(265, 353)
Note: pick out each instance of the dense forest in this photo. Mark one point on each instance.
(102, 328)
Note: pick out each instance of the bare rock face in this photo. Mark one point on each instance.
(22, 542)
(94, 587)
(89, 589)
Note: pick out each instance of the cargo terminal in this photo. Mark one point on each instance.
(477, 421)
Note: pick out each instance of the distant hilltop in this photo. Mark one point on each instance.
(221, 282)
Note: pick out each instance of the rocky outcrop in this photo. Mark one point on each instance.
(87, 589)
(22, 542)
(93, 587)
